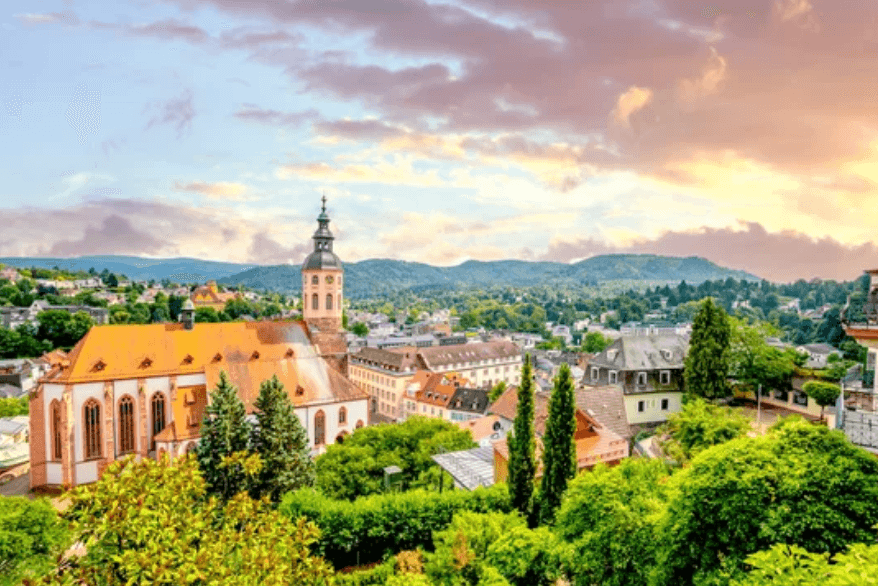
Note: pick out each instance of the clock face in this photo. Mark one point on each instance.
(329, 279)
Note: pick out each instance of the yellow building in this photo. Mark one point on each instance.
(209, 295)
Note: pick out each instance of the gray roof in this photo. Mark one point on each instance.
(322, 259)
(10, 391)
(8, 426)
(469, 468)
(644, 353)
(819, 348)
(607, 405)
(471, 400)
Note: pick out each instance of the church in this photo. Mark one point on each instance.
(143, 389)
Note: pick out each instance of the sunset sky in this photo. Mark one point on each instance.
(742, 131)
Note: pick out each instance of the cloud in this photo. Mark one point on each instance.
(252, 113)
(710, 81)
(170, 29)
(265, 250)
(396, 171)
(631, 101)
(115, 232)
(782, 256)
(177, 112)
(219, 190)
(800, 12)
(66, 16)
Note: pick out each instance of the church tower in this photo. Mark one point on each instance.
(322, 276)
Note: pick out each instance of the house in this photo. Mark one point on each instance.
(564, 333)
(486, 429)
(12, 317)
(649, 370)
(607, 405)
(443, 396)
(818, 354)
(13, 430)
(384, 375)
(397, 341)
(209, 295)
(595, 442)
(22, 373)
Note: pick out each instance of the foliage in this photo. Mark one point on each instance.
(754, 363)
(282, 444)
(360, 329)
(700, 425)
(559, 447)
(356, 467)
(151, 522)
(707, 363)
(594, 342)
(790, 565)
(496, 391)
(527, 557)
(800, 483)
(461, 549)
(224, 432)
(823, 393)
(14, 406)
(206, 315)
(609, 517)
(522, 445)
(31, 537)
(22, 342)
(62, 328)
(367, 529)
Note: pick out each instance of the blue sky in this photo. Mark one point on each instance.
(742, 131)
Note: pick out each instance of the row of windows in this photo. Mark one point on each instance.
(315, 301)
(92, 426)
(613, 377)
(641, 406)
(315, 280)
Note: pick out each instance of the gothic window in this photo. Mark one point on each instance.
(91, 415)
(158, 416)
(55, 413)
(342, 416)
(126, 425)
(315, 280)
(359, 424)
(315, 301)
(329, 302)
(319, 428)
(329, 279)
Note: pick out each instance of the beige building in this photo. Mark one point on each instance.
(384, 375)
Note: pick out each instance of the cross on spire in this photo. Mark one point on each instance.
(324, 202)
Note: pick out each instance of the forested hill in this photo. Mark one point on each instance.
(373, 277)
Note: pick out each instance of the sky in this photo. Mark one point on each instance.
(742, 131)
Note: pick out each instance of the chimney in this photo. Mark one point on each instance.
(187, 315)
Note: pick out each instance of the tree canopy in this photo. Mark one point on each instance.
(559, 447)
(700, 425)
(522, 446)
(707, 363)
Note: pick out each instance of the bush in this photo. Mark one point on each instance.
(527, 557)
(31, 537)
(366, 530)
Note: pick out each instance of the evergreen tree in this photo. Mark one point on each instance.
(559, 447)
(282, 444)
(224, 432)
(707, 364)
(522, 465)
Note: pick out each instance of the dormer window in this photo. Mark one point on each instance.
(289, 353)
(217, 357)
(641, 379)
(188, 359)
(255, 355)
(300, 391)
(99, 366)
(613, 377)
(611, 354)
(666, 354)
(146, 363)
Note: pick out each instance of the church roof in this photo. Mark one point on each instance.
(321, 259)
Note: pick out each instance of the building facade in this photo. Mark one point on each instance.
(322, 280)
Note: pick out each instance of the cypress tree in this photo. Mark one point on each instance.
(282, 444)
(224, 431)
(522, 465)
(559, 447)
(707, 363)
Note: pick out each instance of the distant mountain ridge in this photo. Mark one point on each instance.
(377, 276)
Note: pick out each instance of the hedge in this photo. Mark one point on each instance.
(366, 530)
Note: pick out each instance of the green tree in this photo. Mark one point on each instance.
(31, 538)
(522, 463)
(800, 483)
(527, 557)
(701, 425)
(360, 329)
(496, 391)
(12, 406)
(206, 315)
(594, 342)
(151, 522)
(282, 444)
(62, 328)
(356, 467)
(224, 432)
(707, 363)
(823, 393)
(790, 565)
(609, 516)
(753, 363)
(559, 447)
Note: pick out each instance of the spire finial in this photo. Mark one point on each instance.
(324, 202)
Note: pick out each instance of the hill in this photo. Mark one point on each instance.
(373, 277)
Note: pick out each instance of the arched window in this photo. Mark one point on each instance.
(359, 424)
(91, 417)
(126, 425)
(315, 280)
(319, 428)
(158, 416)
(315, 301)
(55, 429)
(329, 302)
(342, 416)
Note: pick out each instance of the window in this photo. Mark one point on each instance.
(91, 416)
(126, 425)
(664, 404)
(319, 428)
(641, 406)
(613, 377)
(641, 379)
(359, 424)
(329, 302)
(342, 415)
(315, 280)
(665, 377)
(329, 279)
(595, 373)
(315, 301)
(55, 424)
(158, 416)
